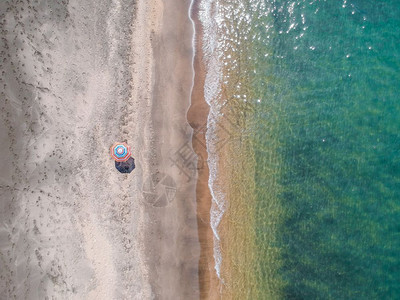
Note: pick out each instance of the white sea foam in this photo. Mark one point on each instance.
(211, 21)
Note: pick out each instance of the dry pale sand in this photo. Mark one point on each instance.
(75, 77)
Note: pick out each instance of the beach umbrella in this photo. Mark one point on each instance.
(125, 166)
(120, 152)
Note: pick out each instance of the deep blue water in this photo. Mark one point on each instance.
(328, 76)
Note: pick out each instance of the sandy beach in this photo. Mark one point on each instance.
(76, 77)
(172, 239)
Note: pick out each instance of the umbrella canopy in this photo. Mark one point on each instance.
(120, 152)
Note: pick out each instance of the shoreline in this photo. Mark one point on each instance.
(197, 116)
(227, 240)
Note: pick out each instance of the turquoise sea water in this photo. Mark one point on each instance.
(323, 81)
(330, 90)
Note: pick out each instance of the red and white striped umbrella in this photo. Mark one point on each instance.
(120, 152)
